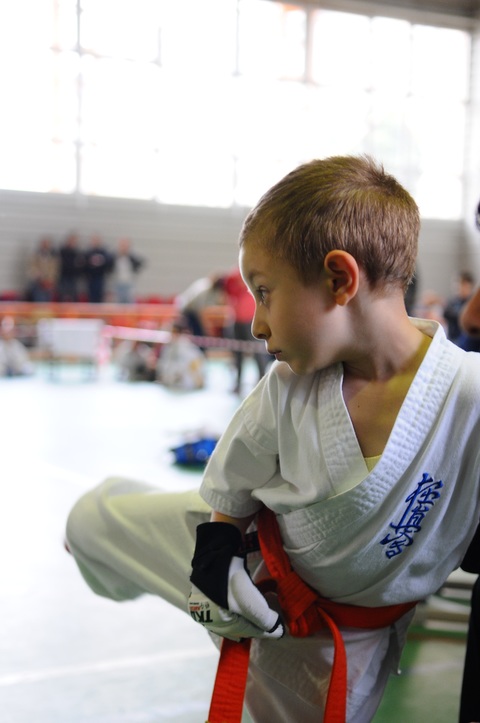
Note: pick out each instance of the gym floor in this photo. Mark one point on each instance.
(68, 656)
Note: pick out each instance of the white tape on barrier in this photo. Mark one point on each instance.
(157, 336)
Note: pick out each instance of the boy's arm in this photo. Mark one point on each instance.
(242, 523)
(224, 599)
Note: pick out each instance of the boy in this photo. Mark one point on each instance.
(362, 439)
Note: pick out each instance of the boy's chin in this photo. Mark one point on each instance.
(300, 368)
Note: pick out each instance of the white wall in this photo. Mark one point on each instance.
(443, 252)
(181, 244)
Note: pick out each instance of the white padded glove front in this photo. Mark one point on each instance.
(224, 599)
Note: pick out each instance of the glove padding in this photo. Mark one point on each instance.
(224, 599)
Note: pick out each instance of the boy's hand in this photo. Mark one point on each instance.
(224, 622)
(224, 598)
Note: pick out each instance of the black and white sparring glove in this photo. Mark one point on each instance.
(223, 598)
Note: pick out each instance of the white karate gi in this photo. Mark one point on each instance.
(389, 536)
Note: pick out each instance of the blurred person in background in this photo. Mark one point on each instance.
(14, 357)
(136, 361)
(42, 271)
(98, 264)
(125, 267)
(71, 263)
(181, 364)
(464, 287)
(243, 306)
(202, 293)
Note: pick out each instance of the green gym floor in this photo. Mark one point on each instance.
(67, 656)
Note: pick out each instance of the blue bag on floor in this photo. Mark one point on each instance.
(194, 453)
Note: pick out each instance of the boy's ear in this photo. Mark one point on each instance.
(343, 275)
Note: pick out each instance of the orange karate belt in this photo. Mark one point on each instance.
(305, 613)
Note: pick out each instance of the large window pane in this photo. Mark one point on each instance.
(39, 97)
(438, 126)
(206, 179)
(33, 165)
(195, 142)
(390, 137)
(198, 37)
(64, 23)
(439, 196)
(338, 122)
(440, 62)
(25, 27)
(269, 119)
(271, 39)
(341, 49)
(253, 179)
(105, 171)
(391, 68)
(210, 102)
(126, 29)
(120, 101)
(61, 94)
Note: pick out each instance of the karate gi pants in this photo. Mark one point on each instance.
(129, 539)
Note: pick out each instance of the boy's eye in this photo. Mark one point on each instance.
(262, 294)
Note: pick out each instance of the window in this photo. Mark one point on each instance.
(210, 103)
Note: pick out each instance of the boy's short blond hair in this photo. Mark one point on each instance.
(342, 202)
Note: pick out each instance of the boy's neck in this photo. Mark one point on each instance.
(386, 343)
(374, 393)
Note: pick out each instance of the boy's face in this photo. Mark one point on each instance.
(297, 322)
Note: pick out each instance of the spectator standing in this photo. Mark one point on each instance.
(98, 264)
(464, 287)
(42, 271)
(126, 265)
(70, 268)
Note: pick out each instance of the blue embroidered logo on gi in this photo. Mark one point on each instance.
(419, 502)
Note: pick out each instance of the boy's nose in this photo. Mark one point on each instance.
(470, 316)
(259, 329)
